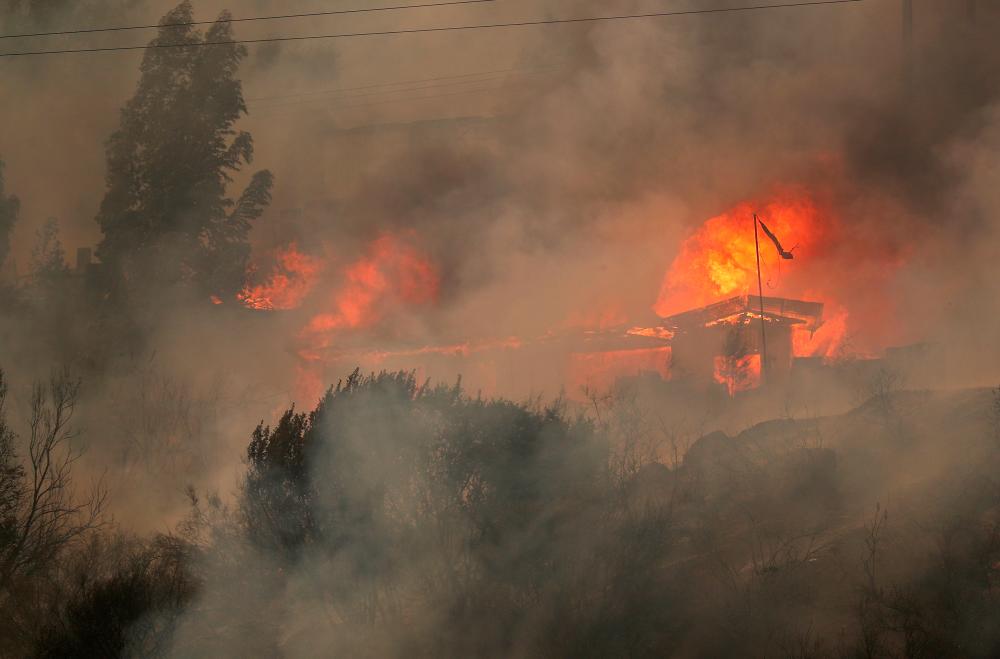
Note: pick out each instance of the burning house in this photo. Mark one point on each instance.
(706, 330)
(738, 341)
(722, 343)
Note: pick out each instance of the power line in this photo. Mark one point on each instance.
(311, 14)
(449, 28)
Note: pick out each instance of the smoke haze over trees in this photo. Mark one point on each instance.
(165, 225)
(464, 233)
(400, 519)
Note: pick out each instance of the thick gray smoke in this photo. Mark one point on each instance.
(552, 185)
(583, 161)
(549, 176)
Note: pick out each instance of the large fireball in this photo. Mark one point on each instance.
(719, 259)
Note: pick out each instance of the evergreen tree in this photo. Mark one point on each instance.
(166, 216)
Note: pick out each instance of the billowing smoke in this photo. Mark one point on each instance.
(545, 180)
(490, 204)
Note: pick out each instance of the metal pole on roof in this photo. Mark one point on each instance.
(760, 297)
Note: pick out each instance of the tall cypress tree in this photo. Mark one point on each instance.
(166, 216)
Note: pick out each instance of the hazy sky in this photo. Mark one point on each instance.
(584, 153)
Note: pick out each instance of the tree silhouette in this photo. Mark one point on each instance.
(40, 513)
(166, 216)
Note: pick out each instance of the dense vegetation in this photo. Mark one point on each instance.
(169, 233)
(399, 519)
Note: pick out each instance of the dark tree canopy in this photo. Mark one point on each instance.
(9, 207)
(166, 216)
(490, 516)
(348, 472)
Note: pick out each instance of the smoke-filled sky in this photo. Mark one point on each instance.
(514, 187)
(550, 174)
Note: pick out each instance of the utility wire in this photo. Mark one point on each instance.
(311, 14)
(449, 28)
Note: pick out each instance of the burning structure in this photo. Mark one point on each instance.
(707, 330)
(725, 337)
(711, 330)
(740, 340)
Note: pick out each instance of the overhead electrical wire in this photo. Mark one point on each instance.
(447, 28)
(310, 14)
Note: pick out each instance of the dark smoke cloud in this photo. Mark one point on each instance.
(558, 189)
(564, 185)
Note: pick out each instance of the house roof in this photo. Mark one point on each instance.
(809, 315)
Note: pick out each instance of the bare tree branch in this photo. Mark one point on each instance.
(43, 513)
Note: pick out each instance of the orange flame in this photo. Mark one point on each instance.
(391, 272)
(828, 341)
(292, 279)
(738, 373)
(598, 371)
(719, 260)
(456, 349)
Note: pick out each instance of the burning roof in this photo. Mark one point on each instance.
(805, 315)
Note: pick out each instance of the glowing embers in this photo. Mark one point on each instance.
(651, 332)
(738, 373)
(723, 342)
(376, 356)
(292, 278)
